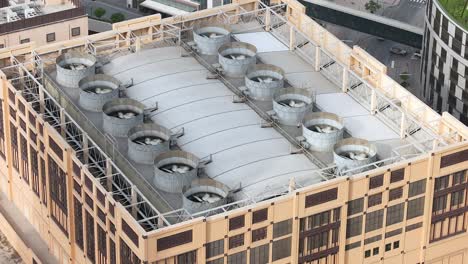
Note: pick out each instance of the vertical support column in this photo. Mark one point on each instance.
(85, 148)
(295, 230)
(41, 100)
(343, 215)
(426, 226)
(344, 85)
(137, 44)
(373, 103)
(134, 201)
(317, 58)
(63, 126)
(71, 208)
(7, 130)
(292, 38)
(402, 125)
(267, 19)
(108, 174)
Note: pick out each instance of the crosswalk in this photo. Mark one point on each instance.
(422, 2)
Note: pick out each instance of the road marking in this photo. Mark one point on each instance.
(419, 1)
(393, 64)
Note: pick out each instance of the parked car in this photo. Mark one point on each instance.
(417, 54)
(398, 51)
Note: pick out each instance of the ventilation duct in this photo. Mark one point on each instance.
(204, 194)
(263, 81)
(209, 39)
(96, 90)
(353, 153)
(120, 115)
(174, 170)
(147, 141)
(235, 58)
(322, 130)
(74, 66)
(291, 104)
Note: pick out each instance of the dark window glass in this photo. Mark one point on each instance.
(354, 226)
(355, 206)
(50, 37)
(75, 31)
(415, 208)
(215, 248)
(417, 188)
(374, 220)
(375, 199)
(282, 228)
(281, 248)
(260, 254)
(395, 214)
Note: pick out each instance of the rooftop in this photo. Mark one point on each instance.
(19, 10)
(234, 139)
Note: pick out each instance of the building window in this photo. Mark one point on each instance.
(259, 216)
(375, 182)
(282, 228)
(439, 204)
(354, 226)
(58, 195)
(26, 40)
(396, 244)
(374, 220)
(415, 208)
(75, 31)
(215, 248)
(375, 251)
(459, 177)
(367, 253)
(78, 223)
(259, 234)
(457, 198)
(395, 214)
(236, 222)
(281, 249)
(34, 169)
(417, 188)
(90, 237)
(375, 199)
(50, 37)
(260, 254)
(394, 194)
(397, 175)
(2, 46)
(441, 183)
(238, 258)
(236, 241)
(388, 247)
(355, 206)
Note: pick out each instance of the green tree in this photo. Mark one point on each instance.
(404, 76)
(99, 12)
(117, 17)
(372, 6)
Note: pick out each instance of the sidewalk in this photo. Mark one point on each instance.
(25, 231)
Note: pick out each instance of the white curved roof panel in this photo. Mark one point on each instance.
(243, 153)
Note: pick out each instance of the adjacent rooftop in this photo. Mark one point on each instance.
(458, 10)
(19, 10)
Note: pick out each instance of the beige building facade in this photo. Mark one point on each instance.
(53, 21)
(411, 210)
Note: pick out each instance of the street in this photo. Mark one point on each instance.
(110, 9)
(380, 49)
(408, 11)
